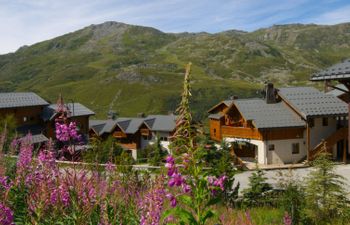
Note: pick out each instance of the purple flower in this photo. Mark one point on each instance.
(6, 215)
(170, 159)
(186, 188)
(5, 183)
(110, 167)
(287, 220)
(152, 204)
(172, 199)
(176, 179)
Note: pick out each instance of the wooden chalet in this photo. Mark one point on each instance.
(36, 116)
(26, 107)
(288, 125)
(135, 134)
(75, 112)
(340, 73)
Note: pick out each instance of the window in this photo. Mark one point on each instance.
(214, 132)
(271, 147)
(325, 121)
(163, 138)
(311, 122)
(295, 148)
(25, 119)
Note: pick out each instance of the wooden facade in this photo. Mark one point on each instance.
(81, 121)
(29, 115)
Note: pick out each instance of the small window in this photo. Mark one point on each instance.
(25, 119)
(311, 122)
(295, 148)
(163, 138)
(325, 121)
(214, 132)
(271, 147)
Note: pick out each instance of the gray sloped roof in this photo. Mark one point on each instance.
(76, 109)
(265, 115)
(338, 71)
(102, 126)
(165, 123)
(37, 138)
(309, 102)
(336, 92)
(20, 99)
(215, 116)
(134, 125)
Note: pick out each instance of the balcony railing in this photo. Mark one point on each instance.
(240, 132)
(129, 145)
(145, 132)
(119, 134)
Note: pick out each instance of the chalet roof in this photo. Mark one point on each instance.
(338, 71)
(165, 123)
(266, 115)
(102, 126)
(76, 109)
(35, 131)
(228, 103)
(215, 116)
(38, 138)
(132, 125)
(20, 99)
(336, 92)
(309, 102)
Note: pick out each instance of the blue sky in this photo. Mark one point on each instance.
(24, 22)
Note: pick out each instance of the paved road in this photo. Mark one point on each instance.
(300, 173)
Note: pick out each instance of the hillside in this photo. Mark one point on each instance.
(133, 69)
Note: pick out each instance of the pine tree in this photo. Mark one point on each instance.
(254, 195)
(326, 198)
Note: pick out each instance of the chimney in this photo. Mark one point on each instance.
(234, 97)
(141, 115)
(111, 115)
(270, 93)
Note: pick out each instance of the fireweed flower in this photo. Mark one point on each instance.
(24, 159)
(5, 183)
(152, 204)
(172, 199)
(6, 215)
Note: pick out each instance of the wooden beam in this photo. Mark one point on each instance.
(308, 148)
(344, 151)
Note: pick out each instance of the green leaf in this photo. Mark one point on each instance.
(187, 200)
(208, 214)
(184, 216)
(213, 201)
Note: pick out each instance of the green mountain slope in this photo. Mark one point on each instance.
(133, 69)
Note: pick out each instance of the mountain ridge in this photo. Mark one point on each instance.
(140, 69)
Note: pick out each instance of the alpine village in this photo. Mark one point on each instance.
(125, 124)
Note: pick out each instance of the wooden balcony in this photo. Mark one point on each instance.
(241, 132)
(145, 132)
(129, 145)
(119, 134)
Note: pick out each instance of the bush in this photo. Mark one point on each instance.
(103, 151)
(255, 194)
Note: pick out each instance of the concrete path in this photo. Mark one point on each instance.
(300, 173)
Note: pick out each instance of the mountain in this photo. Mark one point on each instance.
(133, 69)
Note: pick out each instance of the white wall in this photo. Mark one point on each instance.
(283, 151)
(261, 146)
(319, 132)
